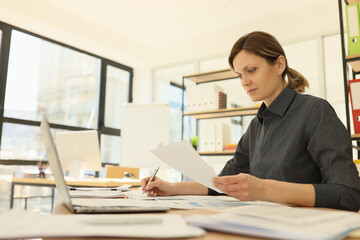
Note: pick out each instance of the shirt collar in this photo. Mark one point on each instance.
(279, 105)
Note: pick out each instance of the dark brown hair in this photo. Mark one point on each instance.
(268, 47)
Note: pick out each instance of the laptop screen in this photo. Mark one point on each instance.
(55, 164)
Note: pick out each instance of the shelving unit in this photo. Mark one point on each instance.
(224, 113)
(213, 76)
(217, 153)
(355, 137)
(354, 62)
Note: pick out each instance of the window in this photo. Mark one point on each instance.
(110, 148)
(53, 80)
(76, 90)
(117, 80)
(168, 89)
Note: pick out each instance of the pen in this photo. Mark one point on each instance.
(151, 178)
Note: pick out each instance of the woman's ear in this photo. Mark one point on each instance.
(281, 64)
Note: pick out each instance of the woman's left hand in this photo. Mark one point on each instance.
(244, 187)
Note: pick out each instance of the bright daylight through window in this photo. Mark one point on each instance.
(44, 77)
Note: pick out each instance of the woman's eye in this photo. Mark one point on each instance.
(252, 70)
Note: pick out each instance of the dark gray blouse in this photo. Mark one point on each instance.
(299, 139)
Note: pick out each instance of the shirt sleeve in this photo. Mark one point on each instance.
(330, 146)
(239, 163)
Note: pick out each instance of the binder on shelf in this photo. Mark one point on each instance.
(207, 97)
(191, 99)
(354, 90)
(211, 97)
(209, 138)
(353, 28)
(222, 136)
(220, 100)
(230, 147)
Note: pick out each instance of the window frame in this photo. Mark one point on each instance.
(104, 62)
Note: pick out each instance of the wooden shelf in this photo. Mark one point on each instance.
(233, 112)
(211, 76)
(218, 153)
(354, 61)
(355, 136)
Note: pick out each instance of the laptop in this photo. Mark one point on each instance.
(64, 194)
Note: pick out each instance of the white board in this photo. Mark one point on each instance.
(145, 127)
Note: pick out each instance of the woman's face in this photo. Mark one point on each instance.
(260, 80)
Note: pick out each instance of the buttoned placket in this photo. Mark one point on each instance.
(265, 127)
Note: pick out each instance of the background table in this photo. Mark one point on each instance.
(49, 182)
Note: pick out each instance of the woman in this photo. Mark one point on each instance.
(296, 151)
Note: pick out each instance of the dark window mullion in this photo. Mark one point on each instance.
(37, 124)
(131, 85)
(111, 131)
(103, 78)
(4, 61)
(102, 91)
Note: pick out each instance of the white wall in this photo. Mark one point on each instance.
(289, 27)
(46, 19)
(40, 17)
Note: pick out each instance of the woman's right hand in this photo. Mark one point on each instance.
(157, 187)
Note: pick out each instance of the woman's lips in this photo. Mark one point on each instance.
(251, 91)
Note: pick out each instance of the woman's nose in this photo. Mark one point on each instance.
(245, 81)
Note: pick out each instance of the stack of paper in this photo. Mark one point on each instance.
(281, 222)
(97, 194)
(88, 192)
(29, 225)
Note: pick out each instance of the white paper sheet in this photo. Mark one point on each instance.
(96, 194)
(281, 222)
(103, 180)
(215, 203)
(122, 188)
(183, 157)
(90, 202)
(88, 192)
(29, 225)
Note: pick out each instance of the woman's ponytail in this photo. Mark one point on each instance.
(296, 80)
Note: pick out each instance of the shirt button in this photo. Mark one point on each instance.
(266, 129)
(263, 153)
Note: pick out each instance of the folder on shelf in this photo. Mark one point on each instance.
(205, 97)
(353, 28)
(211, 97)
(208, 141)
(220, 100)
(354, 90)
(191, 99)
(222, 136)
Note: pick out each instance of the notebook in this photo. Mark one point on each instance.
(93, 205)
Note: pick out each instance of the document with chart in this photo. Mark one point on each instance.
(280, 222)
